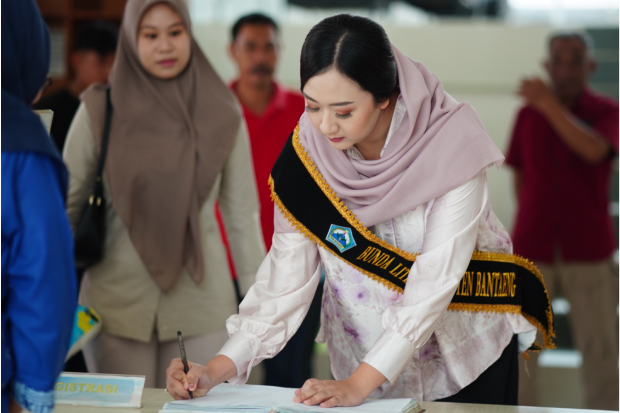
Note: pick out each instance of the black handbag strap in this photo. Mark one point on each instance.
(106, 135)
(97, 195)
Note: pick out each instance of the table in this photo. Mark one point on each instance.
(437, 407)
(153, 400)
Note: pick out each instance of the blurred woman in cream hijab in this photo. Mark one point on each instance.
(177, 145)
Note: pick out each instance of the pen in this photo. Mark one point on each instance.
(184, 358)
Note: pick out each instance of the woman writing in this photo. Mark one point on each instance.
(384, 169)
(177, 144)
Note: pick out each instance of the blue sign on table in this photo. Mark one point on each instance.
(99, 390)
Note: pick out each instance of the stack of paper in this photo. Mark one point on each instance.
(227, 398)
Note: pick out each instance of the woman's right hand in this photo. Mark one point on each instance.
(197, 379)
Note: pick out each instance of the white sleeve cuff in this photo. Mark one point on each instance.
(526, 340)
(390, 354)
(242, 348)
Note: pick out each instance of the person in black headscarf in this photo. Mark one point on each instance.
(91, 61)
(38, 278)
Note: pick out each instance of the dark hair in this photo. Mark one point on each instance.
(254, 18)
(99, 36)
(356, 47)
(583, 37)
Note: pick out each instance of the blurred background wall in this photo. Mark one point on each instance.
(478, 57)
(478, 63)
(479, 49)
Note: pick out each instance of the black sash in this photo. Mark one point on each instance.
(494, 282)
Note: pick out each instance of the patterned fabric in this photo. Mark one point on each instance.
(463, 344)
(423, 350)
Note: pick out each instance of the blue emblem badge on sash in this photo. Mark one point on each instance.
(341, 237)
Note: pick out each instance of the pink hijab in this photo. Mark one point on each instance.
(440, 145)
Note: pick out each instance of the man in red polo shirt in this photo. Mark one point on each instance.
(561, 151)
(271, 113)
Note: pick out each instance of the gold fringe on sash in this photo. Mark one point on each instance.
(305, 231)
(337, 202)
(350, 217)
(528, 265)
(485, 308)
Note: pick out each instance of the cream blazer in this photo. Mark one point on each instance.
(120, 289)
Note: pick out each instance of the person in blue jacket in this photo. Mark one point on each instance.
(39, 291)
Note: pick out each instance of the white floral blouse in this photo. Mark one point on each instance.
(424, 350)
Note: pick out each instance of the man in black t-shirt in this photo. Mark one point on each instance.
(91, 61)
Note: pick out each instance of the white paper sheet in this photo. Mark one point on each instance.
(258, 399)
